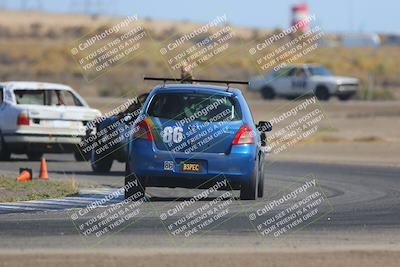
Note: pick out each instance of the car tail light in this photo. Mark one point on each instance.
(143, 131)
(23, 119)
(244, 135)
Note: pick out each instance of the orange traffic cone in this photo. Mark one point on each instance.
(43, 170)
(24, 174)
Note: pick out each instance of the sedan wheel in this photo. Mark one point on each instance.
(4, 152)
(100, 163)
(268, 93)
(322, 93)
(34, 156)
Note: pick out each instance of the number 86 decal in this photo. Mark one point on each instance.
(172, 134)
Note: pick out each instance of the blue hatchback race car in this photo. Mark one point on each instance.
(190, 134)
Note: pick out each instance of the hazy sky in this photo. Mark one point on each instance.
(336, 15)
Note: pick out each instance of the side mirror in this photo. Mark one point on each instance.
(264, 126)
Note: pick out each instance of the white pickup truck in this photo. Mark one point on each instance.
(304, 79)
(37, 118)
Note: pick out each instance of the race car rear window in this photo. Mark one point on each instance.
(284, 72)
(199, 107)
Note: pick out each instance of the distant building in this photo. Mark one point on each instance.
(360, 40)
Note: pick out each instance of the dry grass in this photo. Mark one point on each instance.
(12, 190)
(37, 47)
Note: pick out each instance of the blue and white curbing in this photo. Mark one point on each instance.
(86, 197)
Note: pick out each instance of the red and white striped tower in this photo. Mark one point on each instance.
(299, 14)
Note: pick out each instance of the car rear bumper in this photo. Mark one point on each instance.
(147, 161)
(22, 143)
(38, 138)
(346, 89)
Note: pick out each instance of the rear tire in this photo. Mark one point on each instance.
(100, 163)
(5, 154)
(260, 189)
(34, 156)
(291, 97)
(268, 93)
(130, 190)
(81, 156)
(322, 93)
(248, 190)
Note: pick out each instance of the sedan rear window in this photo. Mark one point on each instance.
(199, 107)
(30, 97)
(46, 97)
(321, 71)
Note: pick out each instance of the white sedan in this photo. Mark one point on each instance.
(304, 79)
(37, 118)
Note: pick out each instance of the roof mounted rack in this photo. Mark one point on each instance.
(227, 82)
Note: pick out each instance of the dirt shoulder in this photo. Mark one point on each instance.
(361, 153)
(204, 257)
(353, 132)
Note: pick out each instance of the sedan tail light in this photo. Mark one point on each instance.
(143, 131)
(244, 135)
(23, 119)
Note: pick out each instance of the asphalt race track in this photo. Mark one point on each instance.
(364, 203)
